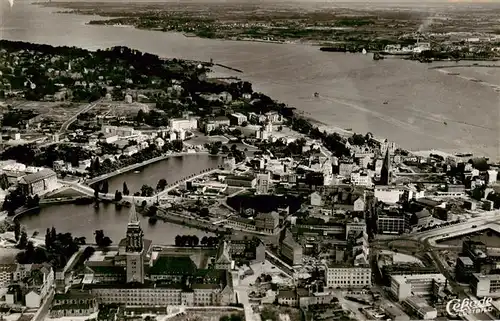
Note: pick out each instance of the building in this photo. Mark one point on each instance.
(464, 269)
(6, 274)
(404, 286)
(245, 249)
(267, 222)
(389, 194)
(73, 304)
(238, 119)
(177, 124)
(167, 280)
(134, 249)
(290, 250)
(39, 182)
(223, 259)
(418, 306)
(485, 285)
(263, 182)
(241, 181)
(343, 276)
(316, 199)
(391, 223)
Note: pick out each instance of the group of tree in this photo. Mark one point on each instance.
(125, 189)
(118, 196)
(102, 240)
(59, 247)
(147, 191)
(232, 317)
(16, 199)
(186, 240)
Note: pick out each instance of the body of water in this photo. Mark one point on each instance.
(172, 169)
(426, 109)
(83, 220)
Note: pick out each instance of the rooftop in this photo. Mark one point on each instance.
(38, 176)
(176, 265)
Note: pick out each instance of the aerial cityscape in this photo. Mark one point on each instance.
(234, 161)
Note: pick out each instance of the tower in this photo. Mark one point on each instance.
(134, 248)
(385, 173)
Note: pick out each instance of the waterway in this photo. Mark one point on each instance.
(83, 220)
(426, 109)
(172, 169)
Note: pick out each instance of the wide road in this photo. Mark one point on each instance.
(67, 123)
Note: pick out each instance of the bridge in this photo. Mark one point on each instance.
(89, 191)
(134, 166)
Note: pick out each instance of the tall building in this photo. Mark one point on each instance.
(263, 183)
(385, 173)
(134, 248)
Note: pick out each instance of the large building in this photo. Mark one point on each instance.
(290, 250)
(344, 276)
(39, 182)
(267, 222)
(391, 223)
(178, 124)
(263, 182)
(404, 286)
(137, 276)
(485, 285)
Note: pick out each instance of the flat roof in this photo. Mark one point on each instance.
(410, 277)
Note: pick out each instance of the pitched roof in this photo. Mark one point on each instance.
(178, 265)
(38, 176)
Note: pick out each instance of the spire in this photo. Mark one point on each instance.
(385, 174)
(133, 218)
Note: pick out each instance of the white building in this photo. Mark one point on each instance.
(420, 307)
(6, 272)
(361, 179)
(348, 277)
(389, 194)
(183, 123)
(492, 177)
(485, 285)
(316, 199)
(238, 118)
(263, 182)
(404, 286)
(39, 182)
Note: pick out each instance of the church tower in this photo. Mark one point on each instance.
(134, 248)
(385, 173)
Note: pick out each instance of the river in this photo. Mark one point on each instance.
(172, 169)
(83, 220)
(425, 109)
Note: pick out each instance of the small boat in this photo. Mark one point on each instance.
(364, 51)
(137, 172)
(386, 102)
(316, 94)
(445, 123)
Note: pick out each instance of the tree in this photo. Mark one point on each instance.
(178, 240)
(118, 196)
(195, 240)
(204, 212)
(48, 241)
(17, 230)
(53, 235)
(106, 241)
(162, 183)
(105, 187)
(96, 192)
(204, 241)
(147, 190)
(125, 189)
(23, 239)
(99, 236)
